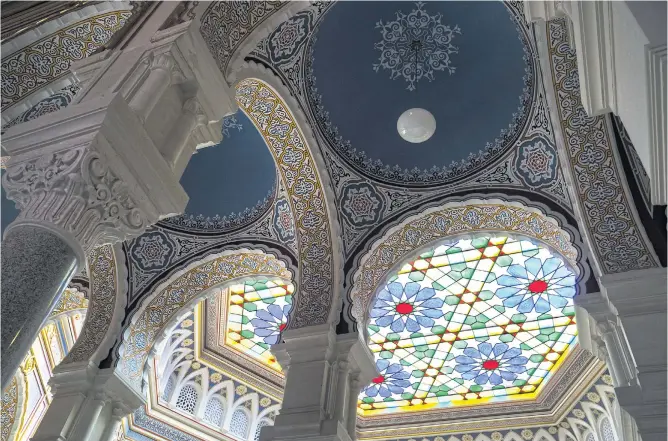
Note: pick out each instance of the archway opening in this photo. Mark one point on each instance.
(471, 320)
(28, 396)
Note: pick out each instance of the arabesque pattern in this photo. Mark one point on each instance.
(48, 59)
(307, 199)
(169, 300)
(617, 239)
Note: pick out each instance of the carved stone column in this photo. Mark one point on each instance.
(640, 300)
(107, 166)
(81, 177)
(88, 405)
(324, 375)
(630, 318)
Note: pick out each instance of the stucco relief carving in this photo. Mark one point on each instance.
(77, 191)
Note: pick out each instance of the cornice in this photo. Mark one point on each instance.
(577, 374)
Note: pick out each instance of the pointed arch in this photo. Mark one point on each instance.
(160, 310)
(239, 422)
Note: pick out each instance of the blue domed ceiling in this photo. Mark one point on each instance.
(230, 184)
(472, 75)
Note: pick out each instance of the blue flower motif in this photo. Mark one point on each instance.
(537, 285)
(392, 379)
(406, 307)
(491, 364)
(270, 323)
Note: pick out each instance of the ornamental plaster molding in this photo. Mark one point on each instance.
(470, 216)
(320, 247)
(619, 72)
(595, 416)
(231, 36)
(618, 242)
(658, 89)
(78, 173)
(75, 190)
(177, 296)
(72, 301)
(433, 202)
(35, 63)
(551, 406)
(106, 307)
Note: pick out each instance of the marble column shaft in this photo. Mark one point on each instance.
(36, 266)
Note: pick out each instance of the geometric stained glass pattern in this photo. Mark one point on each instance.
(258, 313)
(472, 321)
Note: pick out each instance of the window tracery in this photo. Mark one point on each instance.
(239, 424)
(483, 318)
(259, 427)
(214, 412)
(607, 434)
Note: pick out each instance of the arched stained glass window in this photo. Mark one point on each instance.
(187, 400)
(257, 315)
(214, 412)
(239, 424)
(473, 319)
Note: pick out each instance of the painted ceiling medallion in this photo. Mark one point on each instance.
(472, 321)
(398, 52)
(416, 125)
(480, 112)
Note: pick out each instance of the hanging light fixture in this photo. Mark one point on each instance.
(416, 125)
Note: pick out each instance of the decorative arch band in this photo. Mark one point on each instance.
(182, 290)
(432, 225)
(297, 169)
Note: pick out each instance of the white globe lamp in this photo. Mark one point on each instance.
(416, 125)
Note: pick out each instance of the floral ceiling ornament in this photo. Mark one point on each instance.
(537, 163)
(400, 54)
(230, 123)
(361, 204)
(288, 37)
(152, 251)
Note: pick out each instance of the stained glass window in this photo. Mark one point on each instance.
(471, 321)
(258, 313)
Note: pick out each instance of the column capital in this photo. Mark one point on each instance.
(324, 377)
(80, 392)
(89, 173)
(636, 292)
